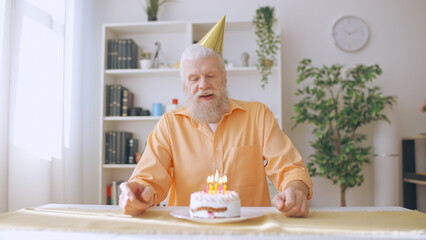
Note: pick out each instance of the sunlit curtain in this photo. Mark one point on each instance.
(4, 103)
(39, 101)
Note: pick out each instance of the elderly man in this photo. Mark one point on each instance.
(213, 132)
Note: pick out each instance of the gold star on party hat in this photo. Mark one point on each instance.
(214, 38)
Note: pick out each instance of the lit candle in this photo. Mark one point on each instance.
(207, 186)
(216, 178)
(220, 185)
(224, 180)
(210, 184)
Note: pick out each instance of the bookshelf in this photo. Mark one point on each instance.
(163, 84)
(413, 170)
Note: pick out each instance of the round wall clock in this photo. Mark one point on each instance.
(350, 33)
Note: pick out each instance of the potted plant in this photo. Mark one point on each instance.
(267, 41)
(151, 8)
(338, 104)
(145, 61)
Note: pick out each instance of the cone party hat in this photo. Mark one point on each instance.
(214, 38)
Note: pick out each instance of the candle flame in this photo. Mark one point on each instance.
(220, 180)
(216, 177)
(224, 179)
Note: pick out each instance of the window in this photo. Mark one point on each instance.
(39, 77)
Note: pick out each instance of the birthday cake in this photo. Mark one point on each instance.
(222, 205)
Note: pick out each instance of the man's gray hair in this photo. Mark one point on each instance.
(198, 52)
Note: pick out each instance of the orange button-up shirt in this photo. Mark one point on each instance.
(245, 137)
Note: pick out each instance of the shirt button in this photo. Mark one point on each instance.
(217, 149)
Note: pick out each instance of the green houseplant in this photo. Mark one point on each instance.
(152, 7)
(338, 104)
(267, 41)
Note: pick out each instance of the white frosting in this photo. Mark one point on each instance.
(221, 205)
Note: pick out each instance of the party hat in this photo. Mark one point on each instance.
(214, 38)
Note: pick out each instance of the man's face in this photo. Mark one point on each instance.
(205, 89)
(204, 79)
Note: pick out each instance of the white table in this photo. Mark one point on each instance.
(9, 234)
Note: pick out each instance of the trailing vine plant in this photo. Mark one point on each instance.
(267, 41)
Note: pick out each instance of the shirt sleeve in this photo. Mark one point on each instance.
(154, 167)
(284, 162)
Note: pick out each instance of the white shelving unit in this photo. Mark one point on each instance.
(162, 85)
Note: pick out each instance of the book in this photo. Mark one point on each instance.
(108, 193)
(107, 147)
(133, 149)
(122, 54)
(112, 53)
(113, 159)
(109, 101)
(117, 91)
(114, 196)
(115, 192)
(124, 146)
(126, 102)
(117, 148)
(118, 96)
(132, 54)
(109, 54)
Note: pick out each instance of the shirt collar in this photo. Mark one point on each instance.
(234, 104)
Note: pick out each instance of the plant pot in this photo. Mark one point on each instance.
(152, 18)
(268, 62)
(145, 63)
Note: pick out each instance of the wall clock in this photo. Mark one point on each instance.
(350, 33)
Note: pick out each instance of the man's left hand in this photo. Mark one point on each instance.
(293, 201)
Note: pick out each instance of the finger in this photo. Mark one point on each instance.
(133, 211)
(290, 200)
(131, 204)
(147, 195)
(304, 211)
(301, 209)
(126, 189)
(135, 207)
(278, 202)
(295, 208)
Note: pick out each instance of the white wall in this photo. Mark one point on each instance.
(397, 44)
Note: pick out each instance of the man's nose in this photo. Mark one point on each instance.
(203, 83)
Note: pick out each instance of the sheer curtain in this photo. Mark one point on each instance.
(4, 101)
(41, 110)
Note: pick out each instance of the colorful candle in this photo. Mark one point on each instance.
(207, 186)
(216, 178)
(210, 184)
(224, 180)
(220, 185)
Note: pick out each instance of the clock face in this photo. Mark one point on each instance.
(350, 33)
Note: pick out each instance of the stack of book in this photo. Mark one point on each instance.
(119, 100)
(120, 148)
(122, 54)
(113, 192)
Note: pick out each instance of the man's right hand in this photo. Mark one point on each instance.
(135, 198)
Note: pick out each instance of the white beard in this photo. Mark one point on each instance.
(207, 112)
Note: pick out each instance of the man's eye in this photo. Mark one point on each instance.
(193, 79)
(210, 76)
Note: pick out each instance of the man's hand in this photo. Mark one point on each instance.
(135, 198)
(293, 201)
